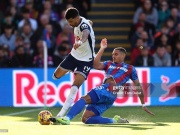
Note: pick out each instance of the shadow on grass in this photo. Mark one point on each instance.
(132, 126)
(133, 114)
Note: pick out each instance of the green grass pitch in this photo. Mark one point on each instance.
(23, 121)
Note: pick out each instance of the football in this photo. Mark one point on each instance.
(43, 117)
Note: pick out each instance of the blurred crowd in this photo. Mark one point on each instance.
(155, 33)
(26, 24)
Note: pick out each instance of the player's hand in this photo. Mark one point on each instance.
(145, 109)
(77, 44)
(104, 43)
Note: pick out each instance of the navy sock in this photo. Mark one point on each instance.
(99, 120)
(76, 108)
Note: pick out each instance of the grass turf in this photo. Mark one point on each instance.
(166, 121)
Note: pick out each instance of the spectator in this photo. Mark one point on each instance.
(176, 51)
(174, 16)
(26, 18)
(161, 40)
(161, 57)
(65, 35)
(7, 52)
(15, 4)
(144, 59)
(26, 32)
(19, 40)
(67, 44)
(163, 13)
(157, 37)
(59, 56)
(15, 15)
(8, 37)
(137, 34)
(169, 49)
(27, 48)
(33, 13)
(147, 41)
(44, 20)
(56, 5)
(149, 28)
(49, 38)
(20, 58)
(38, 60)
(173, 3)
(8, 20)
(149, 10)
(137, 50)
(164, 30)
(19, 3)
(83, 7)
(177, 59)
(63, 20)
(171, 29)
(48, 9)
(176, 37)
(4, 59)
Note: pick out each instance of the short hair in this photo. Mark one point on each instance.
(71, 13)
(121, 49)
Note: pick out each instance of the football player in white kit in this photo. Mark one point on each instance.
(80, 59)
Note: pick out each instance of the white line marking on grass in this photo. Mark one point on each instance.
(22, 112)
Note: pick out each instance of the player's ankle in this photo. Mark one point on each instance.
(66, 117)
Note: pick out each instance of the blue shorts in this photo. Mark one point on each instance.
(82, 67)
(105, 99)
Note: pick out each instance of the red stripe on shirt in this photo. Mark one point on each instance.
(107, 66)
(115, 70)
(119, 79)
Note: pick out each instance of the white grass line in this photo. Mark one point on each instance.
(22, 112)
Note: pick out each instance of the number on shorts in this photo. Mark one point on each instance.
(86, 69)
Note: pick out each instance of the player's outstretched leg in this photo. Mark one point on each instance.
(69, 101)
(118, 119)
(76, 109)
(79, 79)
(104, 120)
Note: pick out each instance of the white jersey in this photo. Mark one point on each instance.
(85, 52)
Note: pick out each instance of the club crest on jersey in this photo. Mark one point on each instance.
(121, 68)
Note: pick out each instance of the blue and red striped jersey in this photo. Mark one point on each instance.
(120, 72)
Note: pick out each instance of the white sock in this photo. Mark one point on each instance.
(67, 118)
(69, 100)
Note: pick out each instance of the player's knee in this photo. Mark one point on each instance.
(78, 84)
(86, 98)
(84, 119)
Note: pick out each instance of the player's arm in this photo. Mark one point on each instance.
(85, 29)
(97, 61)
(141, 96)
(85, 34)
(140, 91)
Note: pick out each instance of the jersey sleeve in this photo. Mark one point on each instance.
(84, 26)
(106, 63)
(134, 74)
